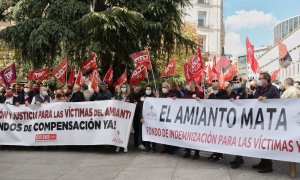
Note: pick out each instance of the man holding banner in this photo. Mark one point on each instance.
(265, 90)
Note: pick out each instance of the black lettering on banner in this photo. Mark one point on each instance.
(282, 120)
(247, 120)
(163, 112)
(231, 110)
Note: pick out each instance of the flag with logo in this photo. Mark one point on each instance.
(89, 65)
(122, 79)
(250, 56)
(38, 75)
(8, 75)
(108, 78)
(59, 73)
(170, 70)
(143, 58)
(137, 75)
(72, 76)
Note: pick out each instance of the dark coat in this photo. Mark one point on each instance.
(77, 97)
(222, 94)
(241, 92)
(100, 96)
(269, 92)
(190, 94)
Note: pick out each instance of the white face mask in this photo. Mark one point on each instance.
(44, 93)
(148, 92)
(259, 83)
(236, 86)
(65, 91)
(26, 90)
(215, 91)
(164, 90)
(188, 88)
(123, 90)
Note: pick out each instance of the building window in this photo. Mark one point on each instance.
(202, 43)
(201, 18)
(296, 22)
(291, 25)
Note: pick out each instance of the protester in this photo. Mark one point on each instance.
(42, 98)
(149, 92)
(123, 94)
(168, 93)
(59, 96)
(10, 98)
(28, 94)
(102, 94)
(290, 90)
(36, 89)
(192, 92)
(77, 95)
(86, 92)
(68, 91)
(174, 88)
(238, 92)
(2, 95)
(137, 125)
(265, 90)
(217, 93)
(251, 91)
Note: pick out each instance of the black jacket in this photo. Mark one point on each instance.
(222, 94)
(270, 92)
(100, 96)
(77, 97)
(241, 92)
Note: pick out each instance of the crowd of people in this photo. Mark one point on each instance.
(237, 89)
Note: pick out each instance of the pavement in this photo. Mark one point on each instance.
(101, 162)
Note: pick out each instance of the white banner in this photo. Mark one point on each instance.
(269, 129)
(86, 123)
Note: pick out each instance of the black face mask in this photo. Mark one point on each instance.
(58, 95)
(252, 88)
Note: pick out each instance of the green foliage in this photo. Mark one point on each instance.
(48, 30)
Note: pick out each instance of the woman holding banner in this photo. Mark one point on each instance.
(123, 94)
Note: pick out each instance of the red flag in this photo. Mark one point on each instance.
(89, 64)
(95, 75)
(285, 59)
(1, 81)
(59, 73)
(194, 68)
(231, 72)
(170, 70)
(8, 75)
(72, 76)
(250, 56)
(95, 79)
(222, 64)
(210, 75)
(142, 57)
(108, 78)
(275, 74)
(222, 80)
(79, 79)
(38, 75)
(122, 79)
(214, 68)
(137, 75)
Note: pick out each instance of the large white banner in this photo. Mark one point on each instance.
(268, 129)
(86, 123)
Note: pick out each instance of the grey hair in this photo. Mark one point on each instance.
(289, 82)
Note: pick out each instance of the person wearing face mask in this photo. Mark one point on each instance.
(77, 95)
(59, 96)
(10, 98)
(252, 89)
(238, 89)
(192, 92)
(137, 126)
(28, 94)
(217, 93)
(42, 98)
(149, 93)
(265, 90)
(2, 95)
(168, 93)
(123, 94)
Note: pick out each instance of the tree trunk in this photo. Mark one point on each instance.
(99, 5)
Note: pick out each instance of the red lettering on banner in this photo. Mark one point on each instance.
(45, 137)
